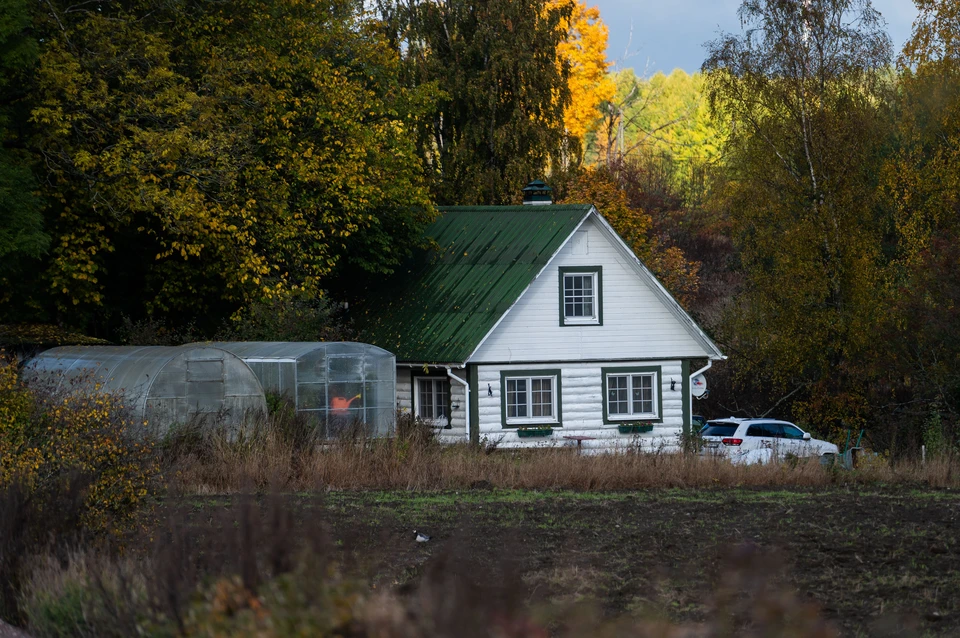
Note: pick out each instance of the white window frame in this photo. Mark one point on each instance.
(634, 416)
(443, 421)
(554, 392)
(595, 303)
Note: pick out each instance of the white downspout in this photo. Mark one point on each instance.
(466, 395)
(690, 386)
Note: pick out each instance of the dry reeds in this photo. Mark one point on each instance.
(219, 464)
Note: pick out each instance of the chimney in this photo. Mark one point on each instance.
(536, 193)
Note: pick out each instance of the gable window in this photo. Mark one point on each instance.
(581, 298)
(631, 394)
(432, 400)
(530, 397)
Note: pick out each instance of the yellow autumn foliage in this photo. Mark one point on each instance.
(585, 52)
(46, 437)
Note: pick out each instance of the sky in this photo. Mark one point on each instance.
(669, 34)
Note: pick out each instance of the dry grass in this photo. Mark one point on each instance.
(217, 464)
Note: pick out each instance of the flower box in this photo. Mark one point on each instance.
(524, 433)
(635, 428)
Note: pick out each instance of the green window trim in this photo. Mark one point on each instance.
(582, 270)
(657, 384)
(554, 422)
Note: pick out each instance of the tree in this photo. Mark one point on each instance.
(584, 53)
(210, 156)
(500, 120)
(22, 237)
(921, 180)
(662, 114)
(801, 93)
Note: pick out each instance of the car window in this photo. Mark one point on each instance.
(719, 428)
(792, 432)
(764, 429)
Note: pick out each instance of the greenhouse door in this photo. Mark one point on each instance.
(205, 386)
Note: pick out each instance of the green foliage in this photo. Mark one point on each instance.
(21, 222)
(60, 614)
(297, 319)
(802, 95)
(499, 121)
(662, 114)
(211, 157)
(934, 438)
(921, 181)
(22, 237)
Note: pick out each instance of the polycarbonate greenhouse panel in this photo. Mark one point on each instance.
(338, 386)
(162, 386)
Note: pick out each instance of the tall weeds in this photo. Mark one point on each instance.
(278, 454)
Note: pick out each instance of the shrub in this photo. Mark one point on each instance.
(69, 470)
(51, 434)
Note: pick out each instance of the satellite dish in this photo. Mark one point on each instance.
(698, 386)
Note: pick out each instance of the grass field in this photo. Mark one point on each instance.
(874, 561)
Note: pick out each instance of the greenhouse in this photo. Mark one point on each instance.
(162, 385)
(338, 385)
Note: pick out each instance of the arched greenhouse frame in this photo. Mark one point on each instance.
(338, 386)
(162, 386)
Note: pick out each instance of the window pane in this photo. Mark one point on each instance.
(441, 397)
(643, 394)
(542, 397)
(516, 398)
(791, 432)
(617, 402)
(578, 296)
(426, 399)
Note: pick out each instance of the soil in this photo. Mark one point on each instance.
(873, 562)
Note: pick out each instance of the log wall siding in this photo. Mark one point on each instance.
(636, 323)
(581, 396)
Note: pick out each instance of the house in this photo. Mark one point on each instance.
(530, 323)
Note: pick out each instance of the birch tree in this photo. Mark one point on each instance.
(801, 92)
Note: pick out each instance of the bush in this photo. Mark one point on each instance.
(69, 471)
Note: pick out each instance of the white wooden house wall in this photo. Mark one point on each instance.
(636, 323)
(581, 397)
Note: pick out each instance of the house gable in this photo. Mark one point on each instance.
(639, 318)
(440, 306)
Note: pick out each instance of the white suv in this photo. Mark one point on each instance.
(760, 440)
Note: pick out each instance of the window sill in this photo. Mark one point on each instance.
(531, 424)
(635, 428)
(581, 322)
(525, 433)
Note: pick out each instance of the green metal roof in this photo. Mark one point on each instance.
(445, 302)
